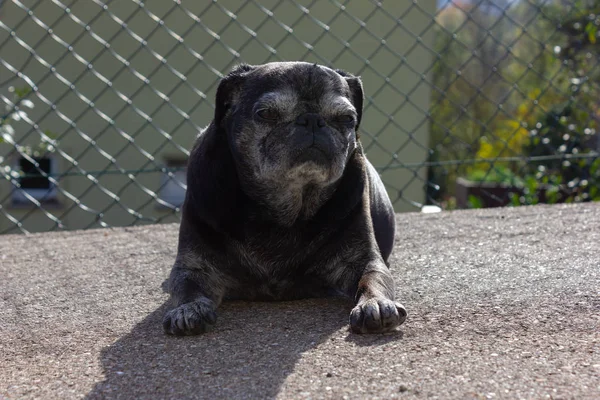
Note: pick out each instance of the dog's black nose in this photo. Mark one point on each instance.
(312, 121)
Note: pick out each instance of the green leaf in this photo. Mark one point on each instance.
(50, 134)
(552, 195)
(532, 184)
(23, 91)
(595, 166)
(475, 202)
(515, 199)
(591, 30)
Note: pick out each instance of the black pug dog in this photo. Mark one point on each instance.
(282, 203)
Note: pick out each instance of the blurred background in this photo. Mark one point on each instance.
(469, 104)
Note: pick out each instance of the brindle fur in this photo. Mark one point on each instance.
(259, 225)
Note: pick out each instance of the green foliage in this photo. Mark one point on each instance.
(15, 113)
(12, 111)
(475, 202)
(22, 92)
(549, 116)
(496, 174)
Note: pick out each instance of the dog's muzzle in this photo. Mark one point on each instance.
(313, 140)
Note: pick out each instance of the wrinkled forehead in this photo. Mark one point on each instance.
(298, 83)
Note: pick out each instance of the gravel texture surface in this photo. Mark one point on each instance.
(502, 303)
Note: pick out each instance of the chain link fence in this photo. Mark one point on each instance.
(471, 103)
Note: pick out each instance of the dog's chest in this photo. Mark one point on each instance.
(270, 257)
(279, 273)
(281, 263)
(279, 253)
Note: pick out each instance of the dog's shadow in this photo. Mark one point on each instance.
(249, 354)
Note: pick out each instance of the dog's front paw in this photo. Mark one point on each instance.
(190, 318)
(377, 315)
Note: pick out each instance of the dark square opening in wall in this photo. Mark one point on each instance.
(33, 185)
(173, 187)
(33, 178)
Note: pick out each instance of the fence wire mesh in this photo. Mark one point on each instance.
(471, 103)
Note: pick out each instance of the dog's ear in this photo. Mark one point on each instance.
(214, 196)
(229, 90)
(356, 92)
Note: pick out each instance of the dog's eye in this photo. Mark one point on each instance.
(268, 114)
(345, 118)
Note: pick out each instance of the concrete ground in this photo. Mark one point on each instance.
(503, 304)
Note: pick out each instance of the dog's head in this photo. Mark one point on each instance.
(280, 131)
(290, 122)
